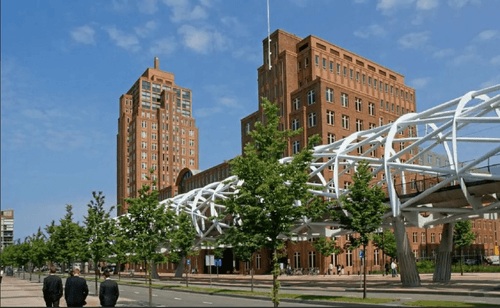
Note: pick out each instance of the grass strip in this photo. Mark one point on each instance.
(430, 303)
(344, 299)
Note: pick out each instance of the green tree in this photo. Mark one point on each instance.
(21, 255)
(121, 251)
(38, 250)
(147, 226)
(266, 202)
(99, 232)
(463, 236)
(326, 247)
(386, 241)
(66, 239)
(182, 243)
(365, 209)
(244, 246)
(8, 255)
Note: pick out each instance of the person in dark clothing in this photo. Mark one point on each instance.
(76, 290)
(52, 288)
(387, 268)
(108, 292)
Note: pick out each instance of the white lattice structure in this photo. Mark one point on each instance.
(447, 126)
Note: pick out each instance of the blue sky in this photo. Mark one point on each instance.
(64, 64)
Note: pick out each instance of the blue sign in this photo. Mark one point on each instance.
(218, 262)
(361, 254)
(188, 262)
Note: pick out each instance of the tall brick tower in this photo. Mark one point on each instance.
(156, 129)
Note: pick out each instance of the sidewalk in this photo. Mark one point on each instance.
(16, 292)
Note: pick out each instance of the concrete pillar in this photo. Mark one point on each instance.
(406, 259)
(442, 270)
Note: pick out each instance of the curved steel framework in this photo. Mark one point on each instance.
(451, 128)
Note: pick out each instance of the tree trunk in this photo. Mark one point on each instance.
(364, 263)
(148, 272)
(461, 257)
(442, 270)
(187, 275)
(154, 271)
(406, 259)
(252, 274)
(95, 272)
(180, 267)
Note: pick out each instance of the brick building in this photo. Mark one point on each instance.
(156, 129)
(332, 92)
(6, 227)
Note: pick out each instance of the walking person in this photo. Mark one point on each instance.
(76, 290)
(387, 268)
(394, 268)
(108, 292)
(339, 269)
(52, 288)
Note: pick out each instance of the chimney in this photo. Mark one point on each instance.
(157, 63)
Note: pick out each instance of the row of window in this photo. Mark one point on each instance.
(362, 78)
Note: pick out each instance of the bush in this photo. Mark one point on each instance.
(425, 266)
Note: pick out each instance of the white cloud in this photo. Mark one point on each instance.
(163, 46)
(148, 6)
(414, 40)
(470, 55)
(203, 40)
(491, 82)
(487, 35)
(223, 99)
(127, 41)
(84, 35)
(443, 53)
(427, 4)
(390, 6)
(235, 26)
(144, 31)
(419, 83)
(300, 3)
(372, 30)
(181, 11)
(248, 54)
(495, 60)
(457, 4)
(120, 5)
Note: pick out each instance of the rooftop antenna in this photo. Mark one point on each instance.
(268, 38)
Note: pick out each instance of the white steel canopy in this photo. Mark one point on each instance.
(451, 128)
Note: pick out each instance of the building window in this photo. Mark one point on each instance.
(371, 109)
(329, 95)
(324, 63)
(370, 82)
(295, 124)
(311, 97)
(375, 84)
(376, 259)
(345, 71)
(345, 122)
(359, 125)
(415, 239)
(296, 259)
(330, 117)
(331, 138)
(433, 237)
(359, 104)
(380, 122)
(347, 184)
(348, 258)
(296, 103)
(331, 66)
(338, 68)
(312, 119)
(351, 74)
(344, 100)
(258, 259)
(144, 155)
(144, 134)
(357, 76)
(296, 147)
(144, 166)
(316, 60)
(312, 259)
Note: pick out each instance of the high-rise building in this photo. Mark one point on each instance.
(156, 130)
(7, 227)
(327, 90)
